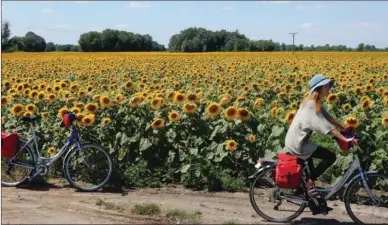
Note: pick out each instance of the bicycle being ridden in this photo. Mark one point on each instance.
(86, 166)
(313, 117)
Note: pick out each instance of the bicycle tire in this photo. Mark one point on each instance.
(349, 191)
(262, 214)
(67, 173)
(31, 154)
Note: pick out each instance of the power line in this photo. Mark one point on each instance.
(293, 41)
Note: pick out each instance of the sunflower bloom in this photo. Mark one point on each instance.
(352, 122)
(31, 108)
(62, 111)
(231, 113)
(231, 145)
(88, 120)
(135, 101)
(105, 101)
(173, 116)
(158, 123)
(44, 115)
(243, 114)
(179, 98)
(5, 101)
(366, 104)
(346, 107)
(213, 110)
(17, 110)
(251, 138)
(105, 121)
(290, 117)
(189, 108)
(156, 103)
(91, 108)
(51, 150)
(332, 98)
(384, 121)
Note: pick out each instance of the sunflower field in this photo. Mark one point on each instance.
(201, 120)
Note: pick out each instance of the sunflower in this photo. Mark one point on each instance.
(17, 110)
(384, 121)
(368, 88)
(290, 117)
(158, 123)
(173, 116)
(157, 103)
(213, 110)
(380, 90)
(33, 94)
(231, 145)
(106, 121)
(294, 106)
(258, 103)
(346, 107)
(332, 98)
(243, 114)
(51, 97)
(75, 110)
(91, 108)
(251, 138)
(366, 104)
(189, 108)
(179, 98)
(62, 111)
(96, 98)
(44, 115)
(120, 98)
(352, 122)
(51, 150)
(31, 108)
(105, 101)
(5, 101)
(28, 114)
(88, 120)
(274, 112)
(135, 101)
(192, 97)
(385, 101)
(41, 95)
(231, 113)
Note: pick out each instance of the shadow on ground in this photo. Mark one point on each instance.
(314, 221)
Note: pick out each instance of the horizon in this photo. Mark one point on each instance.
(317, 23)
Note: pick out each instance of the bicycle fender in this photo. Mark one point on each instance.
(71, 148)
(258, 171)
(357, 176)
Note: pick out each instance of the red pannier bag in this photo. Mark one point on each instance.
(288, 171)
(9, 144)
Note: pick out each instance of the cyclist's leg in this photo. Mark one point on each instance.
(327, 159)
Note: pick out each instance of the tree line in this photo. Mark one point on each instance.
(192, 39)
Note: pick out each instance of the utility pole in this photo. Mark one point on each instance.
(293, 41)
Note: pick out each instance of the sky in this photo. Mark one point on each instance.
(317, 23)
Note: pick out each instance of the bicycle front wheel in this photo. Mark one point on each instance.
(271, 202)
(88, 168)
(359, 202)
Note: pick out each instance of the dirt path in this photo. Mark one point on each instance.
(57, 203)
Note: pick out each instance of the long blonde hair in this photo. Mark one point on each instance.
(314, 96)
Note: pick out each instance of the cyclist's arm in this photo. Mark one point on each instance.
(331, 119)
(338, 135)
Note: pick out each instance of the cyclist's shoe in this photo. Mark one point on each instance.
(313, 193)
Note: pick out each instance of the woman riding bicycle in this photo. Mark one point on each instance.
(313, 117)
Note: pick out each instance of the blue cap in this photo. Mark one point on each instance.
(319, 80)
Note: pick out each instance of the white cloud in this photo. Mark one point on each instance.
(364, 25)
(81, 2)
(47, 11)
(226, 8)
(307, 25)
(276, 2)
(122, 25)
(313, 7)
(136, 5)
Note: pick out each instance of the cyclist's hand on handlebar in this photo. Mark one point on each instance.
(353, 140)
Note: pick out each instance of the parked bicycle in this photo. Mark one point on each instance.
(363, 192)
(86, 166)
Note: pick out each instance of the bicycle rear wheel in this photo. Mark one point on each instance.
(88, 168)
(272, 205)
(16, 170)
(360, 206)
